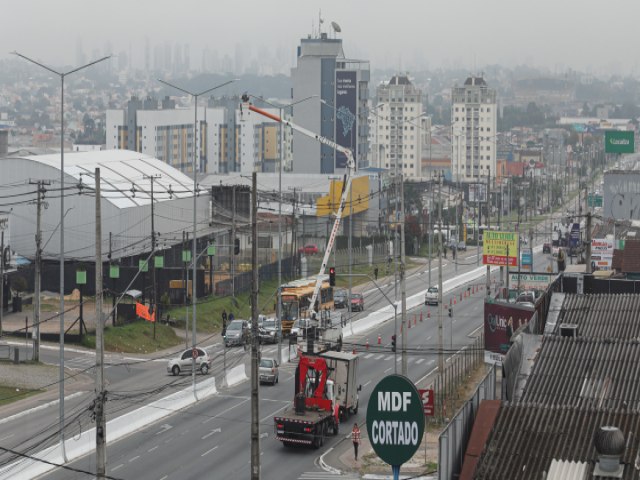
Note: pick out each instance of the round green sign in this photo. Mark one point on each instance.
(395, 419)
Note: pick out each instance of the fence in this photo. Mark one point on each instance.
(359, 257)
(454, 438)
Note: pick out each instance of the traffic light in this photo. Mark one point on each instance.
(332, 276)
(450, 310)
(393, 343)
(236, 246)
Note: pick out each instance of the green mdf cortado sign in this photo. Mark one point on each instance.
(395, 419)
(616, 141)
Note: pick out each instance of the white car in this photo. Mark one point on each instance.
(299, 327)
(431, 297)
(184, 362)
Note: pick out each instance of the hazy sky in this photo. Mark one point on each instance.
(589, 35)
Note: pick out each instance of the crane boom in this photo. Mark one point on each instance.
(346, 187)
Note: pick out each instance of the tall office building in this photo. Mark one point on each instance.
(343, 85)
(399, 124)
(474, 129)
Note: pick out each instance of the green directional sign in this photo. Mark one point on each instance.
(395, 419)
(617, 141)
(81, 277)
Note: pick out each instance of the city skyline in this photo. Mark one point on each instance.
(411, 35)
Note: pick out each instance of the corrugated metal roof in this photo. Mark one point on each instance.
(125, 175)
(562, 470)
(613, 316)
(527, 438)
(585, 372)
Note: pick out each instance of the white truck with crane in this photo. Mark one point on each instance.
(329, 330)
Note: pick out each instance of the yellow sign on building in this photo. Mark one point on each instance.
(500, 248)
(329, 204)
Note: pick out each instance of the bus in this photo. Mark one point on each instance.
(296, 297)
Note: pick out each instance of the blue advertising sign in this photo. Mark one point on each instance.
(346, 124)
(574, 237)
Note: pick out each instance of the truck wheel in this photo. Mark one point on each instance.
(317, 438)
(355, 409)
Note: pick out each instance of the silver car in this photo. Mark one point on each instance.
(268, 371)
(184, 362)
(237, 333)
(431, 296)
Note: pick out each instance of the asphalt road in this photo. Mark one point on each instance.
(212, 438)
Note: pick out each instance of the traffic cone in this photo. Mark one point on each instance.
(415, 320)
(428, 313)
(354, 350)
(420, 316)
(409, 324)
(454, 301)
(379, 340)
(367, 344)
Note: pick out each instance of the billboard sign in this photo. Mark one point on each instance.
(5, 256)
(346, 120)
(500, 248)
(428, 401)
(395, 419)
(617, 141)
(500, 321)
(601, 253)
(531, 281)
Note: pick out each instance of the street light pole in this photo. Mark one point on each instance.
(279, 291)
(195, 232)
(62, 76)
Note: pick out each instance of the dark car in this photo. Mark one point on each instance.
(546, 247)
(237, 333)
(340, 298)
(357, 302)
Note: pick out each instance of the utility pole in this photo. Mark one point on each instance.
(403, 289)
(154, 300)
(488, 290)
(588, 254)
(255, 399)
(349, 241)
(440, 336)
(101, 424)
(38, 269)
(233, 241)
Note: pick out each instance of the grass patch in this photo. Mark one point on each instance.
(209, 310)
(13, 394)
(136, 337)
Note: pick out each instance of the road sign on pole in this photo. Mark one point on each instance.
(395, 420)
(427, 401)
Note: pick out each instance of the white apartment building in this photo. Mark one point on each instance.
(473, 130)
(399, 125)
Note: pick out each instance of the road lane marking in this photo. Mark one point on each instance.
(134, 458)
(273, 414)
(369, 355)
(209, 451)
(428, 338)
(40, 407)
(215, 430)
(420, 360)
(5, 438)
(225, 411)
(420, 381)
(366, 384)
(165, 477)
(472, 332)
(388, 358)
(117, 467)
(379, 357)
(387, 370)
(152, 449)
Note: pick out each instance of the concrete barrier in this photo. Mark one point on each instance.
(236, 375)
(386, 313)
(117, 428)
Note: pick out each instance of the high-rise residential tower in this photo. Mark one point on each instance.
(399, 122)
(474, 129)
